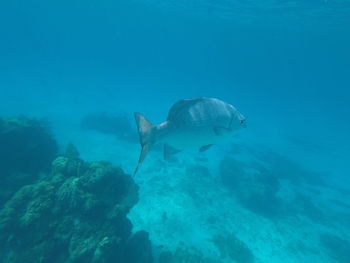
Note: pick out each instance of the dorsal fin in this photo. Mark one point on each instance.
(181, 105)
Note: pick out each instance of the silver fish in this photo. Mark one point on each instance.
(197, 122)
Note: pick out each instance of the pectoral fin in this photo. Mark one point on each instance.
(205, 147)
(169, 151)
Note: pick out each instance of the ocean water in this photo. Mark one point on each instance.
(279, 191)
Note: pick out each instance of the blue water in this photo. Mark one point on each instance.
(284, 64)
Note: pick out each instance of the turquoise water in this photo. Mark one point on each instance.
(278, 191)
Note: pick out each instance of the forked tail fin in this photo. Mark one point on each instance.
(146, 134)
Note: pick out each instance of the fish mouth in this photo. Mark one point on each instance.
(243, 123)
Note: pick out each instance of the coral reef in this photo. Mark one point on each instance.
(117, 124)
(184, 254)
(77, 213)
(27, 148)
(337, 247)
(271, 187)
(232, 248)
(138, 249)
(255, 189)
(282, 167)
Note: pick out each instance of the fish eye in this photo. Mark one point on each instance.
(242, 121)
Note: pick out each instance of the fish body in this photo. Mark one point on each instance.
(196, 122)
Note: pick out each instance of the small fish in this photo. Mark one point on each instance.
(197, 122)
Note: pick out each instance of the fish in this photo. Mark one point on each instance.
(196, 122)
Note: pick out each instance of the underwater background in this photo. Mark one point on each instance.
(73, 72)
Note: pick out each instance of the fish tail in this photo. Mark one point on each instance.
(146, 133)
